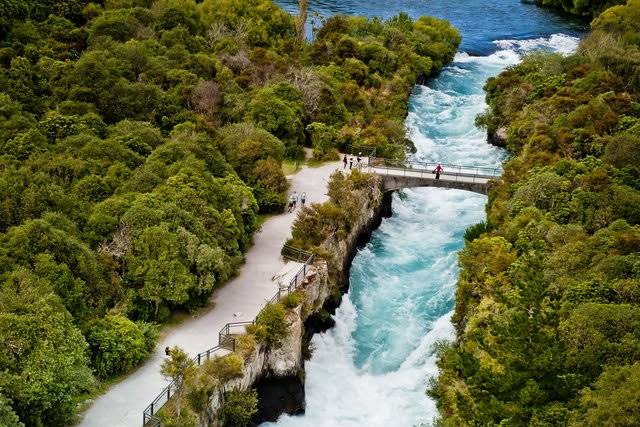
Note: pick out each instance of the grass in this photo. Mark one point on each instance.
(175, 318)
(289, 167)
(314, 163)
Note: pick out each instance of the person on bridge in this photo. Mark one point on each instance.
(438, 170)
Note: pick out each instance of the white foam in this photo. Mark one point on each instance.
(560, 43)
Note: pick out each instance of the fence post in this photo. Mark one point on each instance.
(199, 354)
(151, 408)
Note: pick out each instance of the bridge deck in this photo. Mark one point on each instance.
(429, 175)
(399, 174)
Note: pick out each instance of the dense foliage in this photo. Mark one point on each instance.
(335, 218)
(587, 8)
(140, 139)
(548, 304)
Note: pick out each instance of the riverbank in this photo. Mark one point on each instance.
(285, 392)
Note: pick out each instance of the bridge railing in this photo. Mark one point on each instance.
(448, 169)
(228, 333)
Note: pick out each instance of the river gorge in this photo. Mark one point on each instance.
(373, 367)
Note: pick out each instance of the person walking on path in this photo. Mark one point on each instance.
(359, 161)
(438, 170)
(344, 162)
(350, 162)
(303, 198)
(291, 204)
(295, 200)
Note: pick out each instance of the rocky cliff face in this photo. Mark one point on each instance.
(277, 373)
(498, 138)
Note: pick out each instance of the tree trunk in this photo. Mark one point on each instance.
(301, 20)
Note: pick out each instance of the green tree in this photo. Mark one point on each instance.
(117, 344)
(613, 400)
(8, 418)
(43, 355)
(180, 369)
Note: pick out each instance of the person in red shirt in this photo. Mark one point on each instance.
(438, 170)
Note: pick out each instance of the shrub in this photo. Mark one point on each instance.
(259, 332)
(292, 300)
(245, 345)
(272, 318)
(224, 368)
(238, 407)
(475, 231)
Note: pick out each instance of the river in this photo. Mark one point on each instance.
(373, 367)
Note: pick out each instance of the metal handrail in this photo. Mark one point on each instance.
(295, 254)
(226, 338)
(450, 169)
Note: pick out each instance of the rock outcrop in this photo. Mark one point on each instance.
(498, 138)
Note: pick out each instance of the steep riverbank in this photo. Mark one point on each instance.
(282, 390)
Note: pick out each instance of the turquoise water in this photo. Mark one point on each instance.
(372, 368)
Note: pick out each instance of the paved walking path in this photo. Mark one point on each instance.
(123, 403)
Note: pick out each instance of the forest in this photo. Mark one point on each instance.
(548, 303)
(141, 142)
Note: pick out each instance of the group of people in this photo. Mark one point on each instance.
(293, 201)
(350, 161)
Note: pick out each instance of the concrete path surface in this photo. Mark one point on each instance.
(244, 296)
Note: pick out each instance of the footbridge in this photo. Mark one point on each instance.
(399, 174)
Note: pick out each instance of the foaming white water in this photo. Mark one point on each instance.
(372, 368)
(560, 43)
